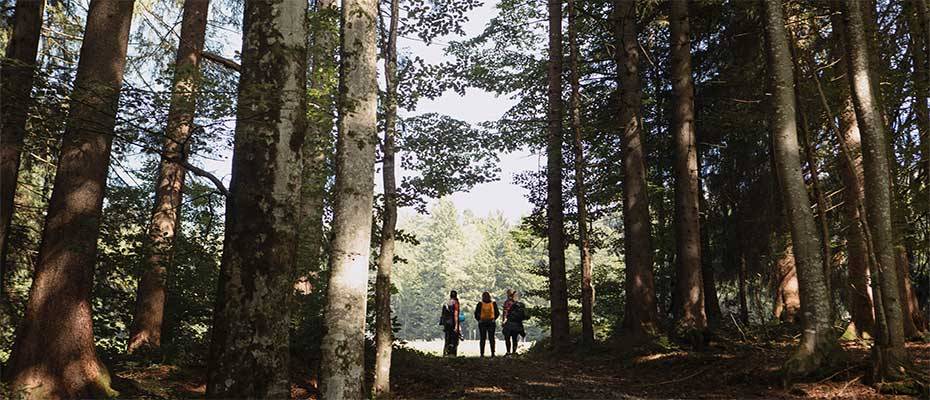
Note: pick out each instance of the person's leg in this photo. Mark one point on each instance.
(507, 342)
(483, 334)
(447, 348)
(491, 328)
(515, 337)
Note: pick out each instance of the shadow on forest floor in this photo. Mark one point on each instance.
(727, 368)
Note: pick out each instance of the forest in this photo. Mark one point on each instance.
(252, 198)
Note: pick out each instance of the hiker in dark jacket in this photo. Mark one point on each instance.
(486, 313)
(514, 315)
(451, 327)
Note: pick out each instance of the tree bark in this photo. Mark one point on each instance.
(914, 322)
(249, 354)
(558, 285)
(16, 79)
(584, 245)
(318, 143)
(743, 306)
(384, 337)
(859, 292)
(891, 352)
(53, 355)
(640, 309)
(818, 340)
(787, 301)
(166, 216)
(690, 316)
(343, 358)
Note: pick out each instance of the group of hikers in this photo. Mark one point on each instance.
(486, 313)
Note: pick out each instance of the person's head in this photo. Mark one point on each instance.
(454, 295)
(486, 297)
(511, 293)
(515, 295)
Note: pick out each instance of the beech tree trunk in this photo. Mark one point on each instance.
(584, 245)
(640, 314)
(249, 354)
(690, 316)
(384, 337)
(53, 355)
(165, 220)
(818, 340)
(558, 285)
(890, 350)
(16, 77)
(324, 41)
(343, 359)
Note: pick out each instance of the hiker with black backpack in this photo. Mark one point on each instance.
(451, 325)
(486, 312)
(514, 315)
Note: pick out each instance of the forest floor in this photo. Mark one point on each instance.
(727, 368)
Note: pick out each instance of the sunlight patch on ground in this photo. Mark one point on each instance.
(485, 389)
(654, 357)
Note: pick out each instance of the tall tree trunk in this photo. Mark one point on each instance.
(53, 355)
(690, 317)
(847, 135)
(249, 354)
(558, 285)
(584, 245)
(343, 361)
(384, 338)
(163, 225)
(743, 306)
(16, 78)
(891, 354)
(818, 339)
(324, 42)
(640, 309)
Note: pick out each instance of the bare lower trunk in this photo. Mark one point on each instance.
(249, 353)
(343, 358)
(787, 305)
(16, 77)
(690, 316)
(640, 314)
(164, 223)
(584, 245)
(384, 337)
(891, 352)
(914, 322)
(743, 306)
(54, 356)
(818, 340)
(558, 285)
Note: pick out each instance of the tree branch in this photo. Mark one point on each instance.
(223, 61)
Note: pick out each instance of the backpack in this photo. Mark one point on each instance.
(517, 313)
(487, 311)
(448, 313)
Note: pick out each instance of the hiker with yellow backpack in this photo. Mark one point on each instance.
(486, 314)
